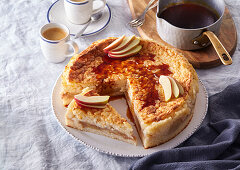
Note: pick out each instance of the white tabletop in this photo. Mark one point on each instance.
(30, 137)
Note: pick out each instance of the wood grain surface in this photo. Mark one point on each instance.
(204, 58)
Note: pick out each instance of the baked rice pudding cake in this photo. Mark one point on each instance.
(137, 78)
(103, 121)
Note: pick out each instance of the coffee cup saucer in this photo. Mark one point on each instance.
(56, 14)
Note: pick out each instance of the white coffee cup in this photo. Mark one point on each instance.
(56, 49)
(80, 12)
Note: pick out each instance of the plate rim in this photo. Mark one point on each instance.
(88, 34)
(131, 155)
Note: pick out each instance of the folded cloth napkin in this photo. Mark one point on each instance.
(216, 144)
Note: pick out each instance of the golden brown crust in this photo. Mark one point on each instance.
(137, 76)
(86, 60)
(83, 70)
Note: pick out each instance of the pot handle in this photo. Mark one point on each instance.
(219, 48)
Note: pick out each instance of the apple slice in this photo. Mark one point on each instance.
(85, 91)
(175, 88)
(167, 87)
(92, 100)
(181, 90)
(124, 44)
(128, 54)
(132, 45)
(91, 106)
(114, 44)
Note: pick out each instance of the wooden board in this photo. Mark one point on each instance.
(204, 58)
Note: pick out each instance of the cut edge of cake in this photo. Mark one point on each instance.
(179, 118)
(169, 127)
(107, 122)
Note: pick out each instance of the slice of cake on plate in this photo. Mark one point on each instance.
(104, 120)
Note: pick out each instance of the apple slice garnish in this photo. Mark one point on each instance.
(91, 106)
(127, 54)
(85, 91)
(92, 100)
(181, 90)
(131, 46)
(114, 44)
(167, 87)
(175, 88)
(124, 44)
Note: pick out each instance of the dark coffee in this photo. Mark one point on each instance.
(189, 16)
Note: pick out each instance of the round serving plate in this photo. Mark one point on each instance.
(118, 148)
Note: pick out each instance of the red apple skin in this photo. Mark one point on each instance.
(91, 104)
(79, 104)
(105, 51)
(109, 55)
(112, 46)
(116, 57)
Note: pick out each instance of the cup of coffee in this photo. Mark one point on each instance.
(55, 42)
(80, 11)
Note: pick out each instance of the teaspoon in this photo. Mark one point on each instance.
(94, 17)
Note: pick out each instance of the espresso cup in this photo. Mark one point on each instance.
(80, 11)
(55, 42)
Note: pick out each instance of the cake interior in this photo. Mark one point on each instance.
(107, 122)
(137, 78)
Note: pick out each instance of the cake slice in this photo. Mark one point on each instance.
(105, 121)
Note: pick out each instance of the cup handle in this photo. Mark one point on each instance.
(219, 48)
(101, 7)
(74, 46)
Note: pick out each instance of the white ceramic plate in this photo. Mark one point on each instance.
(118, 148)
(56, 13)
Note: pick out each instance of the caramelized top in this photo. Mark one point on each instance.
(138, 76)
(134, 67)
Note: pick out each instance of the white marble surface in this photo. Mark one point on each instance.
(30, 137)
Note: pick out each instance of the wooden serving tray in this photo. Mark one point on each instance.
(204, 58)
